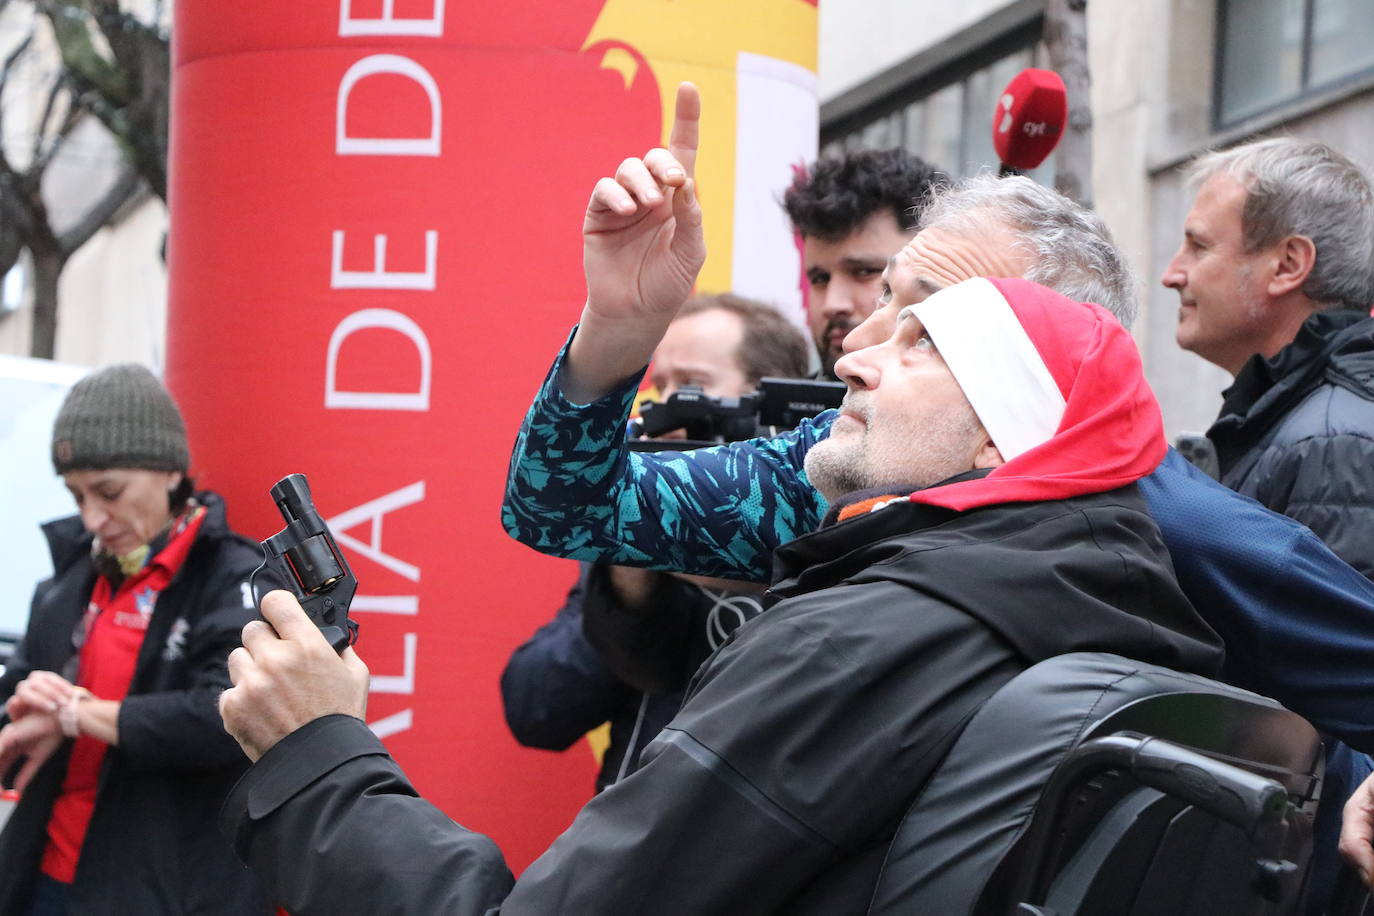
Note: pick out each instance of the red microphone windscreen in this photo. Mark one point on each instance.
(1029, 119)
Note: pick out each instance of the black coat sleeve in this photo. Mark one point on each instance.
(555, 687)
(331, 826)
(175, 723)
(803, 741)
(182, 728)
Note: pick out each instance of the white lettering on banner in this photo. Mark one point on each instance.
(389, 24)
(379, 277)
(392, 724)
(345, 145)
(374, 511)
(387, 604)
(386, 319)
(403, 683)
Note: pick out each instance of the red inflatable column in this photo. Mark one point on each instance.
(374, 254)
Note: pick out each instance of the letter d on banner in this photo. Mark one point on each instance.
(385, 319)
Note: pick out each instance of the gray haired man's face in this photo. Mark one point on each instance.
(905, 420)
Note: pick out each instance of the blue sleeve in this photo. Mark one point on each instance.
(1297, 621)
(556, 688)
(575, 490)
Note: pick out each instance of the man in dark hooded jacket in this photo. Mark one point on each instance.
(984, 518)
(1276, 278)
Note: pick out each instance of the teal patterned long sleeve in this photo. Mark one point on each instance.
(575, 490)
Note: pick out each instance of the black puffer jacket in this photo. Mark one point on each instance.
(801, 743)
(1296, 433)
(151, 846)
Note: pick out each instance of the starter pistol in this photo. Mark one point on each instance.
(304, 559)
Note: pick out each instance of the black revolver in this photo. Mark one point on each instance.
(304, 559)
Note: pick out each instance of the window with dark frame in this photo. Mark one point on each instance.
(945, 118)
(1271, 52)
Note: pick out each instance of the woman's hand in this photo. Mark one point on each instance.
(32, 739)
(42, 692)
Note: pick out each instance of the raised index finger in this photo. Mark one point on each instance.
(682, 143)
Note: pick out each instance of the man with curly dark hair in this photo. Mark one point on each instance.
(853, 212)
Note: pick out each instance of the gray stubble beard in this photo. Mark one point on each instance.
(937, 446)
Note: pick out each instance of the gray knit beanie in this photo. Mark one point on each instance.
(119, 417)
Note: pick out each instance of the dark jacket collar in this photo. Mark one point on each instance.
(836, 539)
(838, 508)
(1084, 573)
(1335, 345)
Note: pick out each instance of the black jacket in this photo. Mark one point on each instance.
(599, 661)
(1296, 432)
(802, 741)
(151, 846)
(557, 686)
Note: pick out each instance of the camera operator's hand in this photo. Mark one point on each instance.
(286, 675)
(642, 249)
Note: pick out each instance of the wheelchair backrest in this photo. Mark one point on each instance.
(958, 849)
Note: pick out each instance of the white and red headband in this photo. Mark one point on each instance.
(995, 363)
(1057, 384)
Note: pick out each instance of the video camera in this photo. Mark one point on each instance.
(777, 405)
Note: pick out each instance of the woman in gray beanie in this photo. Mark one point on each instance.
(112, 733)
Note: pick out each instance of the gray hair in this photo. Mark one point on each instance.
(1301, 187)
(1070, 248)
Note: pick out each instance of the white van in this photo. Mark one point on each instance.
(31, 391)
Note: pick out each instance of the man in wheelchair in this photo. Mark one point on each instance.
(984, 518)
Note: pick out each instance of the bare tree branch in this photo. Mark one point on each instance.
(13, 58)
(129, 94)
(41, 130)
(72, 31)
(16, 221)
(59, 137)
(117, 27)
(1066, 40)
(100, 213)
(11, 238)
(114, 67)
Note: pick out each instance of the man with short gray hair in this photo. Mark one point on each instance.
(1065, 247)
(1276, 278)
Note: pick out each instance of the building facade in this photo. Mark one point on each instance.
(1170, 79)
(112, 292)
